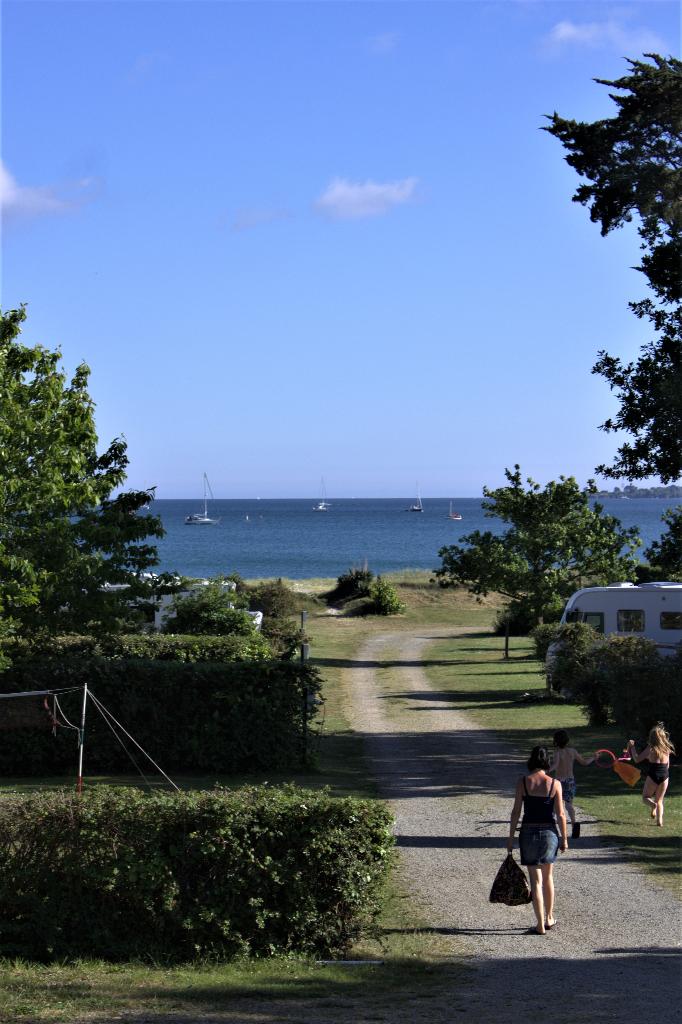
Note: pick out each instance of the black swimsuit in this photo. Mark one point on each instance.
(658, 772)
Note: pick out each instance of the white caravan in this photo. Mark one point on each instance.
(649, 610)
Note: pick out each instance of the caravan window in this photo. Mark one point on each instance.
(671, 620)
(630, 620)
(595, 619)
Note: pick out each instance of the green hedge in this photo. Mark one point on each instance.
(116, 874)
(624, 680)
(154, 646)
(242, 717)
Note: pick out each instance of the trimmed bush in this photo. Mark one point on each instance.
(150, 646)
(243, 717)
(645, 687)
(620, 679)
(116, 874)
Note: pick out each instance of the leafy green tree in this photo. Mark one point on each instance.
(633, 166)
(666, 554)
(649, 391)
(557, 540)
(63, 536)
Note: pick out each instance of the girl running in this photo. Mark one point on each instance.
(657, 752)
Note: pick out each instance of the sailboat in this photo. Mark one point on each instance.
(454, 515)
(322, 505)
(202, 518)
(417, 507)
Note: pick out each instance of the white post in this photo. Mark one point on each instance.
(81, 741)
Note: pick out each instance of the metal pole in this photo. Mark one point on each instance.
(506, 640)
(81, 741)
(305, 652)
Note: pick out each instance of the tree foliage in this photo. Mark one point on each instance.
(633, 166)
(62, 534)
(633, 163)
(666, 554)
(556, 541)
(649, 391)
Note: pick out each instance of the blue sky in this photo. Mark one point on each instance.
(296, 240)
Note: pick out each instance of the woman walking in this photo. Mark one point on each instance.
(543, 807)
(657, 752)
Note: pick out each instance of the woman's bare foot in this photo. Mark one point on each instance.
(653, 811)
(659, 815)
(550, 922)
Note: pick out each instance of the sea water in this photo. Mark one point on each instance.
(280, 537)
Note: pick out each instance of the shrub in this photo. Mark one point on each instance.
(641, 686)
(274, 599)
(150, 646)
(209, 610)
(116, 874)
(572, 669)
(278, 604)
(351, 585)
(619, 678)
(543, 636)
(241, 717)
(385, 600)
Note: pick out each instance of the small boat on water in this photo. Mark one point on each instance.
(322, 505)
(454, 515)
(202, 518)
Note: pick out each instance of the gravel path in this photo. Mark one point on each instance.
(614, 954)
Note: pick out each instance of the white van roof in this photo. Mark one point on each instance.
(662, 585)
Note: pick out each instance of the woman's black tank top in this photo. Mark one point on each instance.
(538, 810)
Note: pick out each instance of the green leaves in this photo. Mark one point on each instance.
(62, 536)
(633, 165)
(144, 876)
(558, 538)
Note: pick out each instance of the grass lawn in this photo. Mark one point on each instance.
(473, 674)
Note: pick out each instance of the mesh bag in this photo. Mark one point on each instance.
(510, 885)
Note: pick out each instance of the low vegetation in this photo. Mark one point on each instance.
(257, 872)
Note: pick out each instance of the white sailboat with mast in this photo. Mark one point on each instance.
(322, 505)
(202, 518)
(454, 515)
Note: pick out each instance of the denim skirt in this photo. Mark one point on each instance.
(538, 845)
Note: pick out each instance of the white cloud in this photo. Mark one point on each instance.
(349, 200)
(609, 34)
(26, 201)
(385, 42)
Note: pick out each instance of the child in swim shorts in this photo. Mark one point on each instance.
(562, 766)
